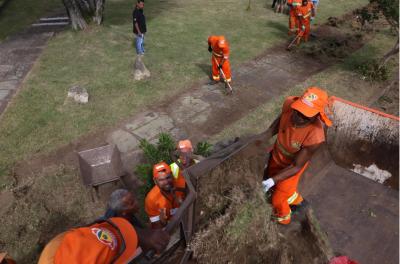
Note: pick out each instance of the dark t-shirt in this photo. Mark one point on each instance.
(138, 17)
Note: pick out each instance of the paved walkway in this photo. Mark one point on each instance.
(205, 110)
(18, 54)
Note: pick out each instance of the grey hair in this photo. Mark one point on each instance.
(116, 202)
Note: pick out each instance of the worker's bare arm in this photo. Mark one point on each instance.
(138, 29)
(157, 225)
(275, 125)
(302, 157)
(152, 239)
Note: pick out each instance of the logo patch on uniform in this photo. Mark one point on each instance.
(309, 98)
(105, 236)
(296, 145)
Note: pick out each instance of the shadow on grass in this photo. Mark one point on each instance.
(206, 68)
(355, 60)
(281, 29)
(120, 13)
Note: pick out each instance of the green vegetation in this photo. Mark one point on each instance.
(101, 59)
(342, 80)
(19, 14)
(203, 148)
(373, 71)
(154, 153)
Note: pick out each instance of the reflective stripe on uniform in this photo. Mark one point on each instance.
(216, 78)
(175, 170)
(284, 218)
(155, 218)
(292, 198)
(217, 55)
(284, 151)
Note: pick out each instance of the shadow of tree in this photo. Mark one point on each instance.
(281, 29)
(206, 68)
(120, 12)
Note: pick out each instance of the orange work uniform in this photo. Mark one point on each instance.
(220, 51)
(289, 141)
(293, 20)
(112, 241)
(304, 14)
(157, 200)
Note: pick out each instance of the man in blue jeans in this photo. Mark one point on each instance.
(139, 26)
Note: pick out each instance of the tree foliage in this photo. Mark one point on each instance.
(390, 11)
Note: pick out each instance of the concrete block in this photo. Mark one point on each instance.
(9, 85)
(4, 94)
(123, 140)
(163, 123)
(141, 120)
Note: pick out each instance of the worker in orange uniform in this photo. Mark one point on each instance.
(6, 259)
(114, 240)
(185, 151)
(219, 48)
(163, 200)
(300, 129)
(305, 14)
(293, 19)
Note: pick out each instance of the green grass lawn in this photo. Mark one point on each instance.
(101, 58)
(341, 80)
(19, 14)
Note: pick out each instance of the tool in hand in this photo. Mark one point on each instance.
(227, 84)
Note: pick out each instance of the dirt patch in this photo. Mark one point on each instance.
(339, 37)
(44, 206)
(234, 220)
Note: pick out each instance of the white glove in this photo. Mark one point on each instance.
(268, 184)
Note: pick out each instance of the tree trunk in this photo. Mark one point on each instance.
(75, 14)
(80, 10)
(389, 54)
(99, 10)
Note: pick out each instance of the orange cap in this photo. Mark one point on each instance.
(161, 169)
(313, 102)
(185, 145)
(114, 241)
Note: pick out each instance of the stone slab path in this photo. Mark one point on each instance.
(18, 53)
(206, 110)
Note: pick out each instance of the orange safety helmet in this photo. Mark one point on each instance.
(161, 169)
(185, 145)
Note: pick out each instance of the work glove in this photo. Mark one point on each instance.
(303, 28)
(268, 184)
(209, 48)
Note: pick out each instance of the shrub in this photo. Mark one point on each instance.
(373, 71)
(154, 153)
(203, 148)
